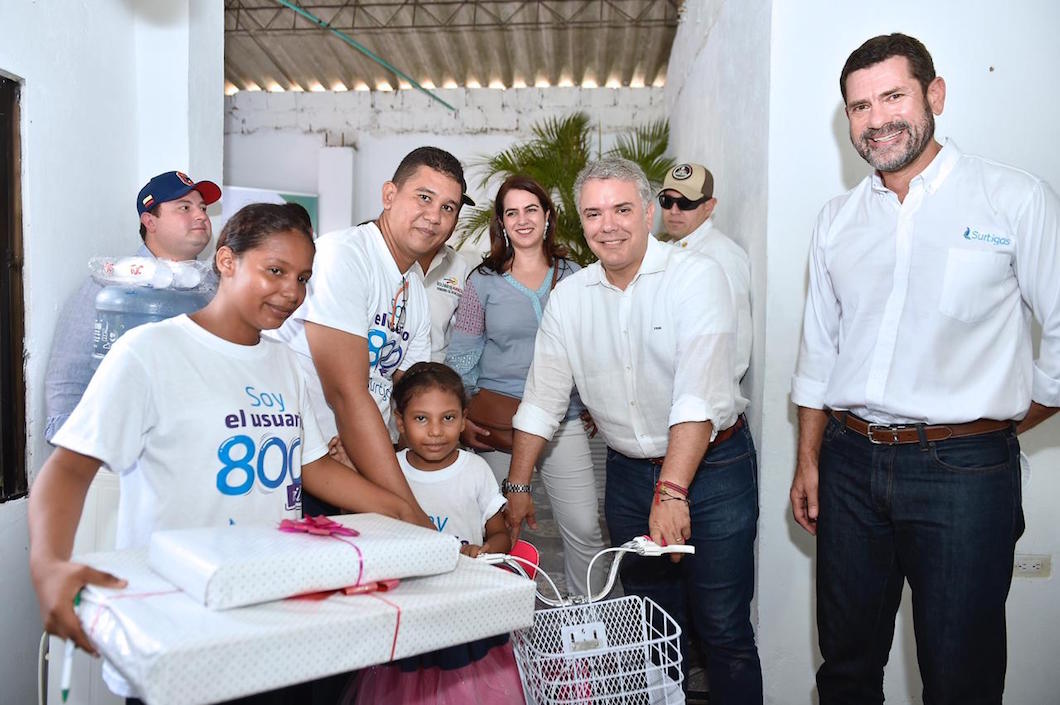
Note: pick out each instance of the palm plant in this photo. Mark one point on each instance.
(553, 156)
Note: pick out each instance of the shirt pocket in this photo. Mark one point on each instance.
(975, 283)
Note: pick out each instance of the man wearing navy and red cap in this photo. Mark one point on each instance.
(173, 226)
(173, 220)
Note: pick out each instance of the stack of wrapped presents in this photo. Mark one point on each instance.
(215, 614)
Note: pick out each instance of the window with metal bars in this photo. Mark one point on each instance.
(12, 308)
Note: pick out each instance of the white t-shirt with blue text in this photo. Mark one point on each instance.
(202, 432)
(460, 498)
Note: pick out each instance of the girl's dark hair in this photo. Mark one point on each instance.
(253, 223)
(501, 251)
(423, 376)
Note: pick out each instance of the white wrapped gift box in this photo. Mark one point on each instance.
(244, 565)
(177, 652)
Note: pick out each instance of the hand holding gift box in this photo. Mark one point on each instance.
(176, 651)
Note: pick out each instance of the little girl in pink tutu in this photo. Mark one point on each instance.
(458, 491)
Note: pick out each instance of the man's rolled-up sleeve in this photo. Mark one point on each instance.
(550, 380)
(820, 328)
(705, 386)
(1038, 274)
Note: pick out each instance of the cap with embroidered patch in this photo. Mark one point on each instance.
(693, 181)
(173, 185)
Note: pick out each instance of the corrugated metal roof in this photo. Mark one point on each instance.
(448, 43)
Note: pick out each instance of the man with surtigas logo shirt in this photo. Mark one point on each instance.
(366, 318)
(915, 375)
(444, 273)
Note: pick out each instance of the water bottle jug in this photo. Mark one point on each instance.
(120, 308)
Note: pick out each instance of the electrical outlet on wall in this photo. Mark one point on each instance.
(1032, 565)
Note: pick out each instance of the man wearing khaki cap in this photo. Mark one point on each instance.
(687, 203)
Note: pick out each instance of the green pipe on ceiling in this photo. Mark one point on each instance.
(363, 49)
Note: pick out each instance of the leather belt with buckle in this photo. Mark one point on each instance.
(718, 439)
(900, 434)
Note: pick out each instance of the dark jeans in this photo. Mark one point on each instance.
(943, 516)
(710, 591)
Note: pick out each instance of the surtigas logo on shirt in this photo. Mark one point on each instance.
(449, 285)
(973, 234)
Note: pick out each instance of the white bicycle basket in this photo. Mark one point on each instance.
(623, 650)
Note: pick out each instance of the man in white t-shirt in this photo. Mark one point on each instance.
(366, 319)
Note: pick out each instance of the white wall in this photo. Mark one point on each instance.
(990, 67)
(272, 140)
(93, 132)
(733, 149)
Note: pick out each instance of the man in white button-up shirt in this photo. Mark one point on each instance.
(444, 273)
(648, 336)
(687, 201)
(915, 368)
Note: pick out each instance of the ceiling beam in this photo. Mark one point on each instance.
(380, 15)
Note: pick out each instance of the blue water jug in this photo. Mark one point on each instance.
(120, 308)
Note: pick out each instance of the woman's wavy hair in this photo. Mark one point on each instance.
(501, 251)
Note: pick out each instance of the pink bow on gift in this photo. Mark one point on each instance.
(367, 588)
(317, 526)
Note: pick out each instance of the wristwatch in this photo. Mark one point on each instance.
(507, 487)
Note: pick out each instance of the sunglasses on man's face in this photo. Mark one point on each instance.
(685, 204)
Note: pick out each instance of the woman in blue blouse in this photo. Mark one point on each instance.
(493, 343)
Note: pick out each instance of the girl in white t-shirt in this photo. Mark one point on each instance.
(459, 493)
(206, 423)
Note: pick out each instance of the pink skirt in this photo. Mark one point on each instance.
(491, 680)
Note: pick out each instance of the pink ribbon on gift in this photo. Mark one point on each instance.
(317, 526)
(377, 586)
(324, 526)
(397, 622)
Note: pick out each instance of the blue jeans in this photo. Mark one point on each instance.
(943, 516)
(710, 591)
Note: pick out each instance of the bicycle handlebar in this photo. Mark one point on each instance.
(641, 545)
